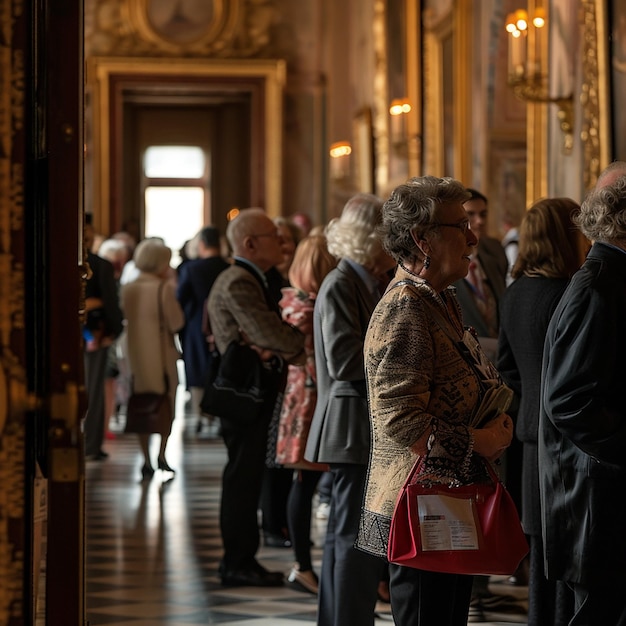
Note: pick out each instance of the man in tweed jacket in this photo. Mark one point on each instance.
(241, 309)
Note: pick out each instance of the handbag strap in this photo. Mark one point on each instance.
(162, 335)
(418, 466)
(161, 328)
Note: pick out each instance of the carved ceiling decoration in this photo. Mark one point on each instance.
(193, 28)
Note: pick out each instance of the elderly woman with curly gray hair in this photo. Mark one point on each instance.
(423, 389)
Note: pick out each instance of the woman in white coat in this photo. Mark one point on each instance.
(153, 317)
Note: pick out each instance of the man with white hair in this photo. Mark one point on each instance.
(340, 432)
(241, 309)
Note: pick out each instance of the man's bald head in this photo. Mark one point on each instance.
(253, 235)
(248, 222)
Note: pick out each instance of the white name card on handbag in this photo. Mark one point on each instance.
(446, 523)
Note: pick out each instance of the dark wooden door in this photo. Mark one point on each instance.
(53, 271)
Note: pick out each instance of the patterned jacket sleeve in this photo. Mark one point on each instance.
(237, 302)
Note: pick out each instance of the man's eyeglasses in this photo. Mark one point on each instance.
(462, 226)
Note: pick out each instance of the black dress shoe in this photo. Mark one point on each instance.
(253, 577)
(273, 540)
(163, 466)
(147, 472)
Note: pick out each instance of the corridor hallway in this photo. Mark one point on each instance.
(153, 547)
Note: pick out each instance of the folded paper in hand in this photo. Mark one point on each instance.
(496, 400)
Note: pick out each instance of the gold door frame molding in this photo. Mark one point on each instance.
(100, 70)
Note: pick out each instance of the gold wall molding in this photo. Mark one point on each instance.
(448, 54)
(438, 33)
(216, 28)
(594, 99)
(380, 123)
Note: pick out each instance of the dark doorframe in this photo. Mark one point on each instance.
(64, 134)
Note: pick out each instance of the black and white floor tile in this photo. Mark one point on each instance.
(153, 547)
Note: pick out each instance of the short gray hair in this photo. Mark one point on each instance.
(602, 215)
(353, 235)
(411, 208)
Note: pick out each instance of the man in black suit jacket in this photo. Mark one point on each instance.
(103, 324)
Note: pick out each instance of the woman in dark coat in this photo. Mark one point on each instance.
(548, 256)
(194, 283)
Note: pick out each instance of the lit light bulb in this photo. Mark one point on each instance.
(521, 19)
(339, 149)
(510, 23)
(399, 106)
(539, 19)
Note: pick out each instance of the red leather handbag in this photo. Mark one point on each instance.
(469, 529)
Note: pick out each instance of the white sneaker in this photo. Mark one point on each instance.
(303, 581)
(323, 510)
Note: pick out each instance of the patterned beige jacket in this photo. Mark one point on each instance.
(417, 380)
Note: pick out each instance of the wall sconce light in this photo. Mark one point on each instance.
(340, 160)
(398, 131)
(526, 46)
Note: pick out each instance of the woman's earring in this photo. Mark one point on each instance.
(426, 262)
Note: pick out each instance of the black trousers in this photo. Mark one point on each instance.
(420, 598)
(241, 488)
(299, 509)
(95, 372)
(350, 577)
(550, 602)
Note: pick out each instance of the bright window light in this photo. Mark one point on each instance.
(174, 162)
(175, 214)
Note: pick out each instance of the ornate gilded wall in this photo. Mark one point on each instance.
(201, 28)
(12, 370)
(235, 29)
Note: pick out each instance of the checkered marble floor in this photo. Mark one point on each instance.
(153, 547)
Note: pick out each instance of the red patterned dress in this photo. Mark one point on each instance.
(301, 390)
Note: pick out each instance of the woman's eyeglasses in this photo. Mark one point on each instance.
(462, 226)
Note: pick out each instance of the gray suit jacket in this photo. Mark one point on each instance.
(340, 431)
